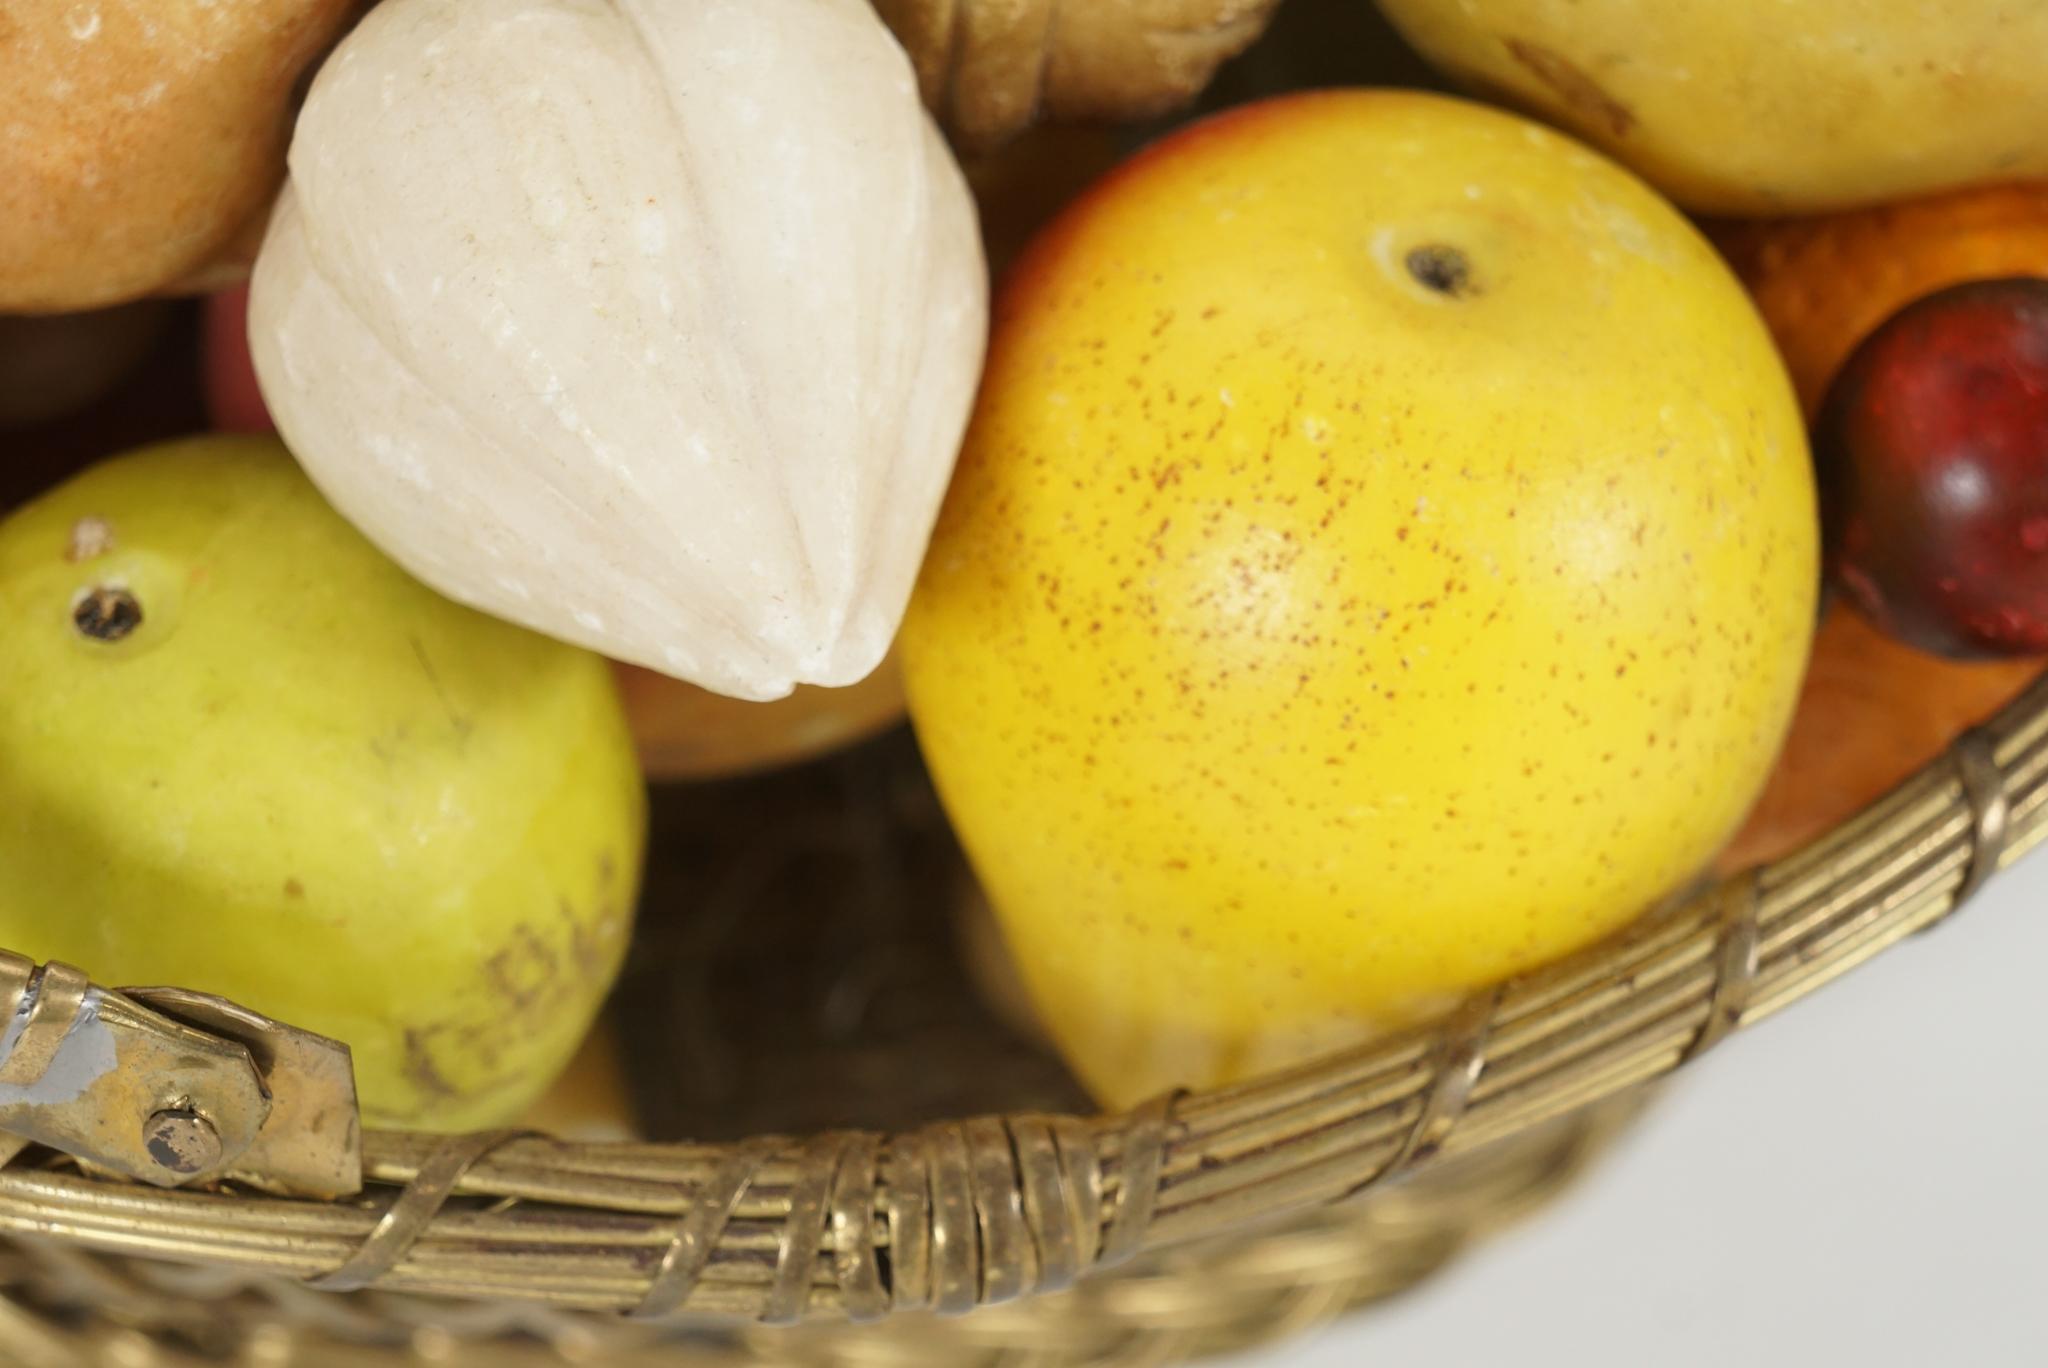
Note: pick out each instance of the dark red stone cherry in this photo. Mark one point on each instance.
(1933, 455)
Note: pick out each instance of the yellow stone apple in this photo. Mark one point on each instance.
(1764, 107)
(1383, 559)
(242, 752)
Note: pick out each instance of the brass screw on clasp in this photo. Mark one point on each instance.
(181, 1140)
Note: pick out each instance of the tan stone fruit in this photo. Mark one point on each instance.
(141, 139)
(989, 69)
(1766, 106)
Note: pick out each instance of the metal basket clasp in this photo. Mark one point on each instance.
(172, 1087)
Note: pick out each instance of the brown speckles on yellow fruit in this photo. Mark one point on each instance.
(1382, 559)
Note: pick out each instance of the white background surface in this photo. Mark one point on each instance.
(1861, 1180)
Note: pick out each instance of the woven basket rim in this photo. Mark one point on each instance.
(859, 1225)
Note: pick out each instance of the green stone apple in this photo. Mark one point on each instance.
(242, 752)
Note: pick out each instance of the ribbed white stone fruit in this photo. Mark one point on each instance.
(650, 324)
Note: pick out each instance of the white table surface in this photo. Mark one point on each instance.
(1862, 1180)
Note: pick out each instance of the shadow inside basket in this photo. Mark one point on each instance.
(812, 955)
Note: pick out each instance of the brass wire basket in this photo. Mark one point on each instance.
(852, 1229)
(691, 1252)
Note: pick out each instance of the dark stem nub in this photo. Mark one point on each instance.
(1440, 268)
(107, 614)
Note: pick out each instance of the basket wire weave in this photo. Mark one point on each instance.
(861, 1225)
(1218, 1212)
(61, 1307)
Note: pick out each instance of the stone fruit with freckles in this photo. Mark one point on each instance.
(1383, 559)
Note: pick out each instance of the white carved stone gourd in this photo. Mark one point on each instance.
(650, 324)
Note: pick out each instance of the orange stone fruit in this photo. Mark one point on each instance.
(140, 140)
(684, 732)
(1872, 712)
(1824, 284)
(591, 1101)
